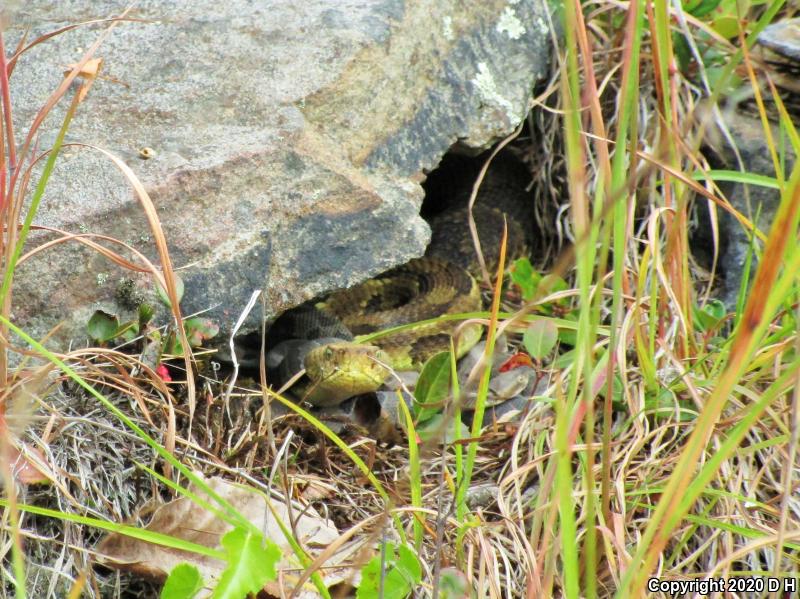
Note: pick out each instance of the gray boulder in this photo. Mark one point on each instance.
(780, 47)
(289, 140)
(757, 203)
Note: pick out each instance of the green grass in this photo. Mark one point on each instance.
(663, 280)
(667, 434)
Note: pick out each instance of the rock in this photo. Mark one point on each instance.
(779, 47)
(783, 38)
(285, 141)
(363, 413)
(482, 495)
(749, 200)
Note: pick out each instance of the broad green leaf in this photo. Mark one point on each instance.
(408, 564)
(200, 329)
(703, 7)
(184, 582)
(566, 335)
(432, 387)
(540, 338)
(172, 345)
(726, 26)
(128, 335)
(525, 277)
(564, 360)
(710, 315)
(553, 283)
(162, 293)
(128, 330)
(401, 574)
(102, 326)
(251, 564)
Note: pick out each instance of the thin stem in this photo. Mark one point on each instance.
(9, 123)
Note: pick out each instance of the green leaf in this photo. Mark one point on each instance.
(162, 293)
(737, 177)
(568, 335)
(565, 360)
(102, 326)
(184, 582)
(172, 345)
(553, 283)
(682, 51)
(453, 584)
(716, 308)
(251, 564)
(401, 574)
(726, 26)
(128, 330)
(540, 338)
(129, 335)
(408, 564)
(200, 329)
(710, 315)
(432, 387)
(664, 402)
(703, 7)
(525, 277)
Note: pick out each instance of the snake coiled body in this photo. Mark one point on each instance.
(322, 334)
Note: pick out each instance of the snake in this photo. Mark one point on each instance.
(322, 337)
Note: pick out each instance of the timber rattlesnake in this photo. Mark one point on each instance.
(319, 336)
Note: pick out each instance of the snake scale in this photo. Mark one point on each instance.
(320, 336)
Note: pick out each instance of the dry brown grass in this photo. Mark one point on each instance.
(699, 435)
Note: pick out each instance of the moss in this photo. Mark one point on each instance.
(128, 294)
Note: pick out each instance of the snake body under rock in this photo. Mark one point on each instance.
(320, 336)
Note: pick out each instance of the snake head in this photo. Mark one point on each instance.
(342, 370)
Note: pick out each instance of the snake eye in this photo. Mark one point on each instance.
(328, 353)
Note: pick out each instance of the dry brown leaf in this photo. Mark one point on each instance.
(315, 489)
(185, 520)
(28, 469)
(23, 396)
(88, 70)
(17, 410)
